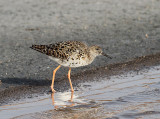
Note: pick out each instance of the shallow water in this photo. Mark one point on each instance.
(132, 95)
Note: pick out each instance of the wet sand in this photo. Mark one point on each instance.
(133, 94)
(30, 88)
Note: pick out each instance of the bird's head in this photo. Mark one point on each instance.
(97, 50)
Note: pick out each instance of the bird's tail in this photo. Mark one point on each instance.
(40, 48)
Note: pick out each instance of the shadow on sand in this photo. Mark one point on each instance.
(24, 81)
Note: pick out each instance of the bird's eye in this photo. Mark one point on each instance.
(97, 48)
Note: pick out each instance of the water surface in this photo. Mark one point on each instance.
(131, 95)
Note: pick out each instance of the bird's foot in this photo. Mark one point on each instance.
(53, 91)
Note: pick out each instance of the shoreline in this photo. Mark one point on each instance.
(30, 88)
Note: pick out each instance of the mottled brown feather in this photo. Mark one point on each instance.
(63, 50)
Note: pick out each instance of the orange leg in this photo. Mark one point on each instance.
(72, 99)
(52, 96)
(72, 96)
(69, 75)
(54, 72)
(53, 103)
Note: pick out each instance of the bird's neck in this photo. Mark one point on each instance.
(91, 56)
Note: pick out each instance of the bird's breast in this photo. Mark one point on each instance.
(72, 61)
(77, 62)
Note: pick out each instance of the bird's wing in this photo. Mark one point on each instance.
(62, 50)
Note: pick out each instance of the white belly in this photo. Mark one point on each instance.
(70, 62)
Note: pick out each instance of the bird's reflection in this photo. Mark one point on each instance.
(65, 105)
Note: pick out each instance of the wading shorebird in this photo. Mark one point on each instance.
(70, 54)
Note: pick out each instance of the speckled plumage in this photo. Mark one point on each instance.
(69, 53)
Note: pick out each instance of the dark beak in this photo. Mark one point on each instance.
(106, 55)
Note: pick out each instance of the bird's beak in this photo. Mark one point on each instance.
(106, 55)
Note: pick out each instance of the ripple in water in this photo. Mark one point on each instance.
(130, 95)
